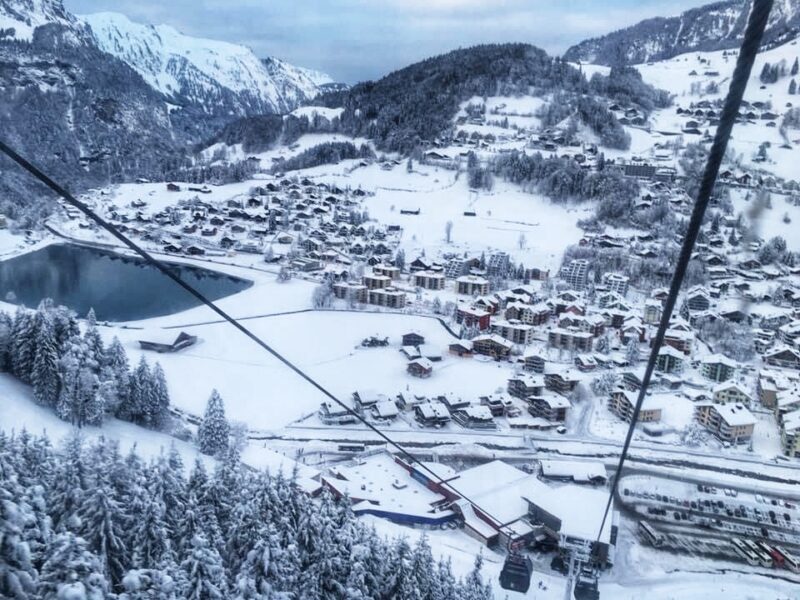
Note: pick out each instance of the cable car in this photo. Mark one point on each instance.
(516, 573)
(586, 587)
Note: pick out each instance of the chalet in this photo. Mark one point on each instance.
(432, 414)
(473, 317)
(524, 385)
(420, 367)
(698, 299)
(492, 345)
(731, 423)
(730, 392)
(429, 280)
(168, 342)
(173, 187)
(622, 403)
(533, 361)
(718, 367)
(679, 339)
(331, 413)
(461, 348)
(669, 360)
(471, 285)
(413, 339)
(562, 382)
(568, 339)
(550, 407)
(475, 417)
(385, 410)
(783, 357)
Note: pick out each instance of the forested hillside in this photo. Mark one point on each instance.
(84, 521)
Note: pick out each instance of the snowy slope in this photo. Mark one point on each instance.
(718, 25)
(217, 76)
(23, 16)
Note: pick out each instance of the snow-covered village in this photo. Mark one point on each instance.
(448, 331)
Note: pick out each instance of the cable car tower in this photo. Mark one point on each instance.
(581, 578)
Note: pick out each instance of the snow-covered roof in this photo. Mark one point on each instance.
(577, 470)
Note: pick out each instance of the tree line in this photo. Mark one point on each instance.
(85, 521)
(75, 373)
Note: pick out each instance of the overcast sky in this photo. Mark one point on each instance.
(353, 40)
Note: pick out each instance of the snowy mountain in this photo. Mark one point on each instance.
(714, 26)
(218, 77)
(19, 18)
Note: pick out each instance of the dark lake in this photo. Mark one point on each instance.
(118, 288)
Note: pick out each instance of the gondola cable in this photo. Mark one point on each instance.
(744, 65)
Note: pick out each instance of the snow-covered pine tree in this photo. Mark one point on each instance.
(78, 401)
(158, 398)
(17, 575)
(212, 436)
(93, 340)
(102, 522)
(150, 537)
(69, 488)
(23, 350)
(45, 374)
(133, 407)
(71, 571)
(474, 588)
(116, 361)
(6, 325)
(204, 572)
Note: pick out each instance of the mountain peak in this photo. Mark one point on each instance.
(219, 77)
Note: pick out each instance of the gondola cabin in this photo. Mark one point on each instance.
(516, 573)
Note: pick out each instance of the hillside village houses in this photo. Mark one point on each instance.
(585, 318)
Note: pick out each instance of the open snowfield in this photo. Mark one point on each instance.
(502, 215)
(265, 394)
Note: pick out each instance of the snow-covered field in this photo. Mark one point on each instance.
(265, 394)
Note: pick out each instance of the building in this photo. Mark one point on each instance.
(783, 357)
(790, 434)
(525, 385)
(718, 367)
(492, 345)
(622, 403)
(670, 360)
(729, 392)
(376, 282)
(420, 367)
(551, 407)
(732, 423)
(168, 342)
(679, 339)
(345, 290)
(789, 333)
(471, 285)
(514, 331)
(697, 299)
(498, 264)
(576, 273)
(431, 414)
(470, 316)
(429, 280)
(617, 283)
(389, 271)
(533, 361)
(387, 297)
(569, 339)
(536, 314)
(652, 311)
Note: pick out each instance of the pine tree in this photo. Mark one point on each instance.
(150, 538)
(17, 574)
(71, 570)
(69, 488)
(134, 407)
(93, 340)
(45, 374)
(212, 435)
(792, 87)
(158, 397)
(101, 524)
(795, 67)
(116, 361)
(204, 572)
(78, 401)
(23, 351)
(6, 326)
(474, 587)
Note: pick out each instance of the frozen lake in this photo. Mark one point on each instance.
(119, 288)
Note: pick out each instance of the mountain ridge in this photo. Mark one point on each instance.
(715, 26)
